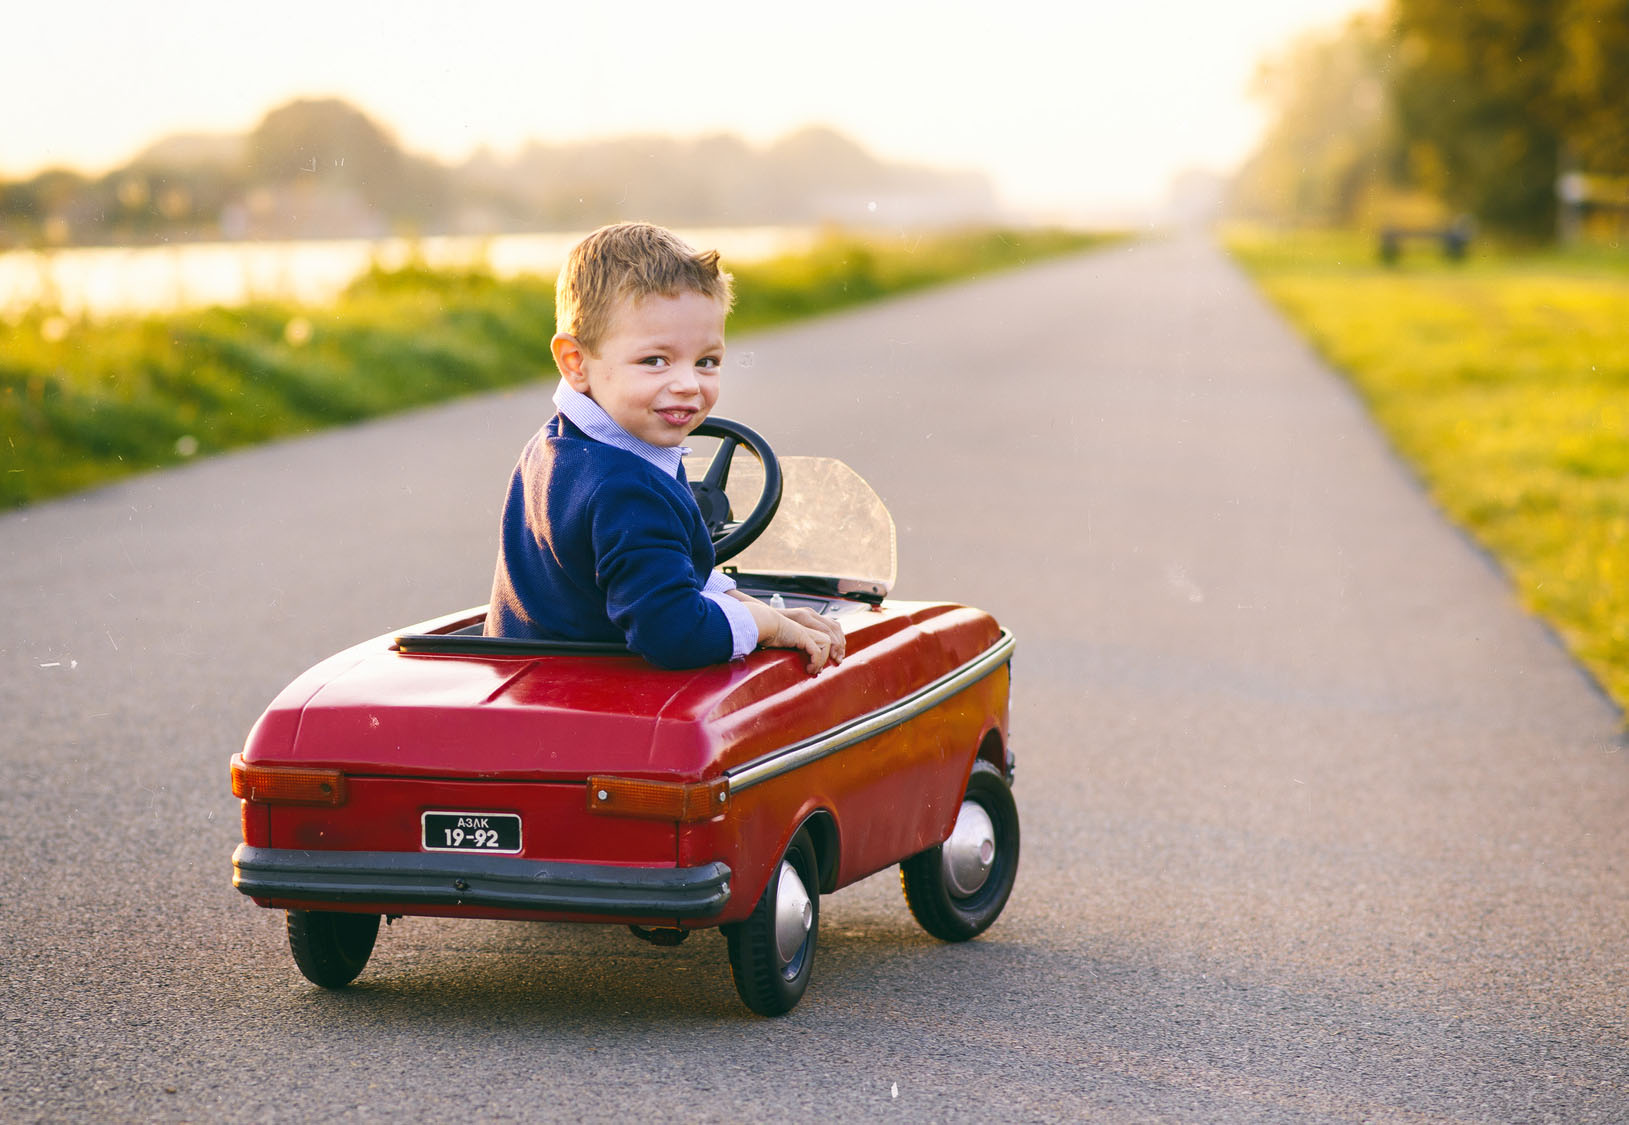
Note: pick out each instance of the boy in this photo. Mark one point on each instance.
(601, 539)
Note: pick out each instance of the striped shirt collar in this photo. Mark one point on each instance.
(590, 417)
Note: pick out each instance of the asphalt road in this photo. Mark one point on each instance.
(1319, 826)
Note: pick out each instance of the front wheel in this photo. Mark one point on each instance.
(330, 947)
(958, 888)
(772, 952)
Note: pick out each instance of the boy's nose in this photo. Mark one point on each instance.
(684, 381)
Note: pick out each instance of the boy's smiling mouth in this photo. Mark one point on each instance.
(677, 415)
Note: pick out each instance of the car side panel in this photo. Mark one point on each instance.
(900, 792)
(891, 796)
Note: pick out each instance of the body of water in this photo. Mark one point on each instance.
(123, 279)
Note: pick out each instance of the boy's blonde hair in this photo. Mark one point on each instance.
(629, 261)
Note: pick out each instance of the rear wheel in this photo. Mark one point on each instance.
(330, 947)
(772, 952)
(958, 888)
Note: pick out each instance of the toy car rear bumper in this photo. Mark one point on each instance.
(503, 882)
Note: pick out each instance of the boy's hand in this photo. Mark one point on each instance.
(828, 636)
(817, 637)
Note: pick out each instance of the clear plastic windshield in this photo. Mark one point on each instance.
(830, 525)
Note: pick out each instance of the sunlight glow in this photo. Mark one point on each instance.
(1073, 108)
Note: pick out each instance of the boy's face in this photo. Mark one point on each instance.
(656, 371)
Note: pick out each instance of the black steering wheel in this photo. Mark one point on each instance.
(731, 538)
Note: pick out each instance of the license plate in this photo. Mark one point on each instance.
(471, 832)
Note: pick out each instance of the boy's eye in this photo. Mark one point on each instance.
(709, 362)
(653, 361)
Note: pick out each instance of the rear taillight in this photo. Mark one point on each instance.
(286, 785)
(658, 800)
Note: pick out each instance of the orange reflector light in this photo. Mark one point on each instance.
(286, 785)
(658, 800)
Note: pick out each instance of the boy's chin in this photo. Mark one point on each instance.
(672, 436)
(678, 435)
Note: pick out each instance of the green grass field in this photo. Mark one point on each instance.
(86, 401)
(1505, 381)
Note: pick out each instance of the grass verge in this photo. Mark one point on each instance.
(86, 401)
(1505, 381)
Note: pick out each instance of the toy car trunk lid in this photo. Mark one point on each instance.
(396, 707)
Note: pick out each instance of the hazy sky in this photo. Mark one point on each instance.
(1082, 105)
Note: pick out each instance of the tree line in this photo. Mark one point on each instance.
(1447, 107)
(323, 168)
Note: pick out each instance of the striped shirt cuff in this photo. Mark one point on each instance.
(743, 630)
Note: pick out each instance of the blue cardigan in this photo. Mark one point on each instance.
(596, 544)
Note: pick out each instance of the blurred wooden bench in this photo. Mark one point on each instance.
(1453, 239)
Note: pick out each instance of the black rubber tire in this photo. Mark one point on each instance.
(933, 902)
(331, 947)
(765, 982)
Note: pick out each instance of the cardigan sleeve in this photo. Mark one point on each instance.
(643, 551)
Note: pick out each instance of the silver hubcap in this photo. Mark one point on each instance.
(794, 913)
(970, 852)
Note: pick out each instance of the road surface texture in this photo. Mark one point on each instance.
(1318, 824)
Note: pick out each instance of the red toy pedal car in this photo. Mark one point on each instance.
(439, 772)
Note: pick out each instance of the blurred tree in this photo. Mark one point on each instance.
(45, 208)
(1486, 104)
(1593, 85)
(811, 176)
(1479, 106)
(1324, 154)
(330, 147)
(326, 138)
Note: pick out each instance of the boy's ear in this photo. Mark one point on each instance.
(568, 357)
